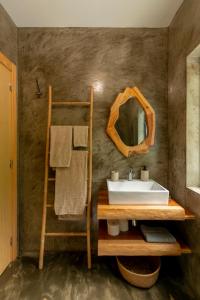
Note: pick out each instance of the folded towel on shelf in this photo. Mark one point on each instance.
(60, 146)
(71, 186)
(153, 234)
(80, 136)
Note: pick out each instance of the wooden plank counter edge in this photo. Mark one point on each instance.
(132, 243)
(172, 211)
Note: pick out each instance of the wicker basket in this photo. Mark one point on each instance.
(138, 279)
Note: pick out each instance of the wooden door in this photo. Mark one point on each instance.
(8, 211)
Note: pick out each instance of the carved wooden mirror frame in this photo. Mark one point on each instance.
(121, 99)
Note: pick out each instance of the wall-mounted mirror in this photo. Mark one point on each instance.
(131, 124)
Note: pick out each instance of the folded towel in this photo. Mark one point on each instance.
(80, 136)
(60, 146)
(72, 217)
(157, 234)
(71, 186)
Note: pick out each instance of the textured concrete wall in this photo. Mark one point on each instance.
(8, 36)
(184, 36)
(193, 122)
(71, 60)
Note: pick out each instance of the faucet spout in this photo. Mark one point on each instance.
(131, 174)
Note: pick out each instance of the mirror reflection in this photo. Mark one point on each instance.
(131, 124)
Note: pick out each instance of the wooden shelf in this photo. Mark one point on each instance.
(132, 243)
(172, 211)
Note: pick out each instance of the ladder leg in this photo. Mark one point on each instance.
(42, 242)
(89, 260)
(89, 183)
(44, 216)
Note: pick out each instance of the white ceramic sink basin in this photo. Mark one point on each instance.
(137, 192)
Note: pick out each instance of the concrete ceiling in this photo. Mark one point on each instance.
(92, 13)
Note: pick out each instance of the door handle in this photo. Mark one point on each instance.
(11, 164)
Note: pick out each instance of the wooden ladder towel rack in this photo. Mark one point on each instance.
(46, 205)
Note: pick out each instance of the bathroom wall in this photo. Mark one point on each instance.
(184, 36)
(71, 60)
(8, 36)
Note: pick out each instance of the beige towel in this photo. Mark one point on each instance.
(80, 136)
(73, 217)
(60, 146)
(71, 186)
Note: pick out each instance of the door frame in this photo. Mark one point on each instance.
(12, 68)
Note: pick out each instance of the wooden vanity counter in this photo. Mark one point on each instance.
(172, 211)
(132, 243)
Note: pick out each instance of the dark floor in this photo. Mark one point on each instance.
(65, 277)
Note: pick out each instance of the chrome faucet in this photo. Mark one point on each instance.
(131, 174)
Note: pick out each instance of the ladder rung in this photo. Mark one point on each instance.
(65, 234)
(51, 205)
(72, 103)
(53, 179)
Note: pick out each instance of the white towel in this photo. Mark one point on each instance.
(60, 146)
(71, 186)
(80, 136)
